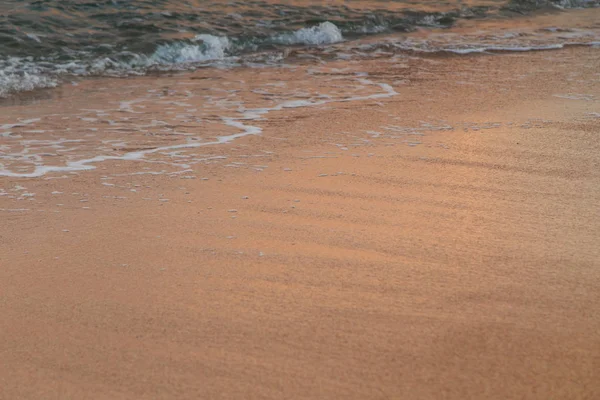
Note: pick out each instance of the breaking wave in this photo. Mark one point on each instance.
(23, 82)
(324, 33)
(210, 48)
(111, 38)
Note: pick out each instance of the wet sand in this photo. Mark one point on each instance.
(452, 255)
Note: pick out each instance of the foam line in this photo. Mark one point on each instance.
(247, 130)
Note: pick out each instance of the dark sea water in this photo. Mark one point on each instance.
(44, 42)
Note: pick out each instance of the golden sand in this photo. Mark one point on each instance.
(455, 257)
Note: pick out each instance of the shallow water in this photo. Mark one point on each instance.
(45, 43)
(162, 112)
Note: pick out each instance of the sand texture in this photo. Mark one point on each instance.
(431, 234)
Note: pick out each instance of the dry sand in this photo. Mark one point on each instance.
(440, 264)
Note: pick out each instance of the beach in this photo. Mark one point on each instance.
(399, 226)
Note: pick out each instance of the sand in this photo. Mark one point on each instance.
(455, 260)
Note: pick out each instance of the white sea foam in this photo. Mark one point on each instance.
(573, 3)
(235, 122)
(210, 48)
(21, 82)
(27, 73)
(470, 50)
(324, 33)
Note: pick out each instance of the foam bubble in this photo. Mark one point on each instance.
(21, 82)
(324, 33)
(211, 48)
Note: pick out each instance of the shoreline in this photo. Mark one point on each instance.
(539, 30)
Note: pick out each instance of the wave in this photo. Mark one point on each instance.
(19, 74)
(211, 48)
(324, 33)
(23, 82)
